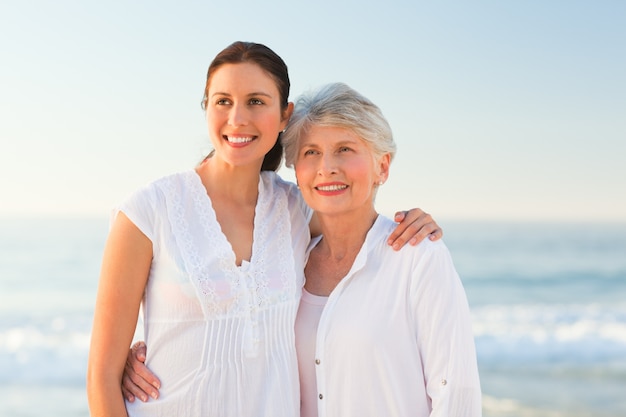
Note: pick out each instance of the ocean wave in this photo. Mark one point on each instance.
(586, 335)
(540, 334)
(51, 354)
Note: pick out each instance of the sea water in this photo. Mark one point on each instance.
(548, 305)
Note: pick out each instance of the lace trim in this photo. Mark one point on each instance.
(224, 289)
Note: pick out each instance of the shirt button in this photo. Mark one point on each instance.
(321, 397)
(444, 382)
(317, 361)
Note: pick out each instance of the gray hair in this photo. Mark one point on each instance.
(338, 105)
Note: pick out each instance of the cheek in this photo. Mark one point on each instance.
(304, 171)
(269, 120)
(213, 117)
(299, 171)
(362, 169)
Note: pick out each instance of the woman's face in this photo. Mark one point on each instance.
(244, 114)
(337, 171)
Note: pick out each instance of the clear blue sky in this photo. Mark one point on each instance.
(501, 109)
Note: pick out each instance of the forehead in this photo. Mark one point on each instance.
(320, 135)
(245, 77)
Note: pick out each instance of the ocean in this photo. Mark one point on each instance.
(548, 302)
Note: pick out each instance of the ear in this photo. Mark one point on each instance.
(286, 115)
(383, 167)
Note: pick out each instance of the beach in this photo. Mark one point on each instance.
(548, 304)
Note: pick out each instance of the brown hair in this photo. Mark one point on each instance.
(256, 53)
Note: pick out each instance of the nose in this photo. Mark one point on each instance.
(238, 115)
(328, 164)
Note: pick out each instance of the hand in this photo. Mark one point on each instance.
(138, 381)
(415, 225)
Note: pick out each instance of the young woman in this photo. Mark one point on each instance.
(215, 256)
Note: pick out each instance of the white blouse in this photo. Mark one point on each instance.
(221, 336)
(394, 337)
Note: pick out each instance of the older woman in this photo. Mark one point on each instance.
(378, 332)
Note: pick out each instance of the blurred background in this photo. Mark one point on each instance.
(509, 122)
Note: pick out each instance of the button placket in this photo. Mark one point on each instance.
(251, 335)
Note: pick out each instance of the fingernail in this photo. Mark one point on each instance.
(154, 395)
(144, 398)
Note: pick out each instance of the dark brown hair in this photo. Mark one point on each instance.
(256, 53)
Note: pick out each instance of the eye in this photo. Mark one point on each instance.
(255, 101)
(310, 152)
(344, 149)
(222, 102)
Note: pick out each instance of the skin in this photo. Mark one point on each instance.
(338, 177)
(244, 118)
(123, 276)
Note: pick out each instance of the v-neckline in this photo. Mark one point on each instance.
(227, 248)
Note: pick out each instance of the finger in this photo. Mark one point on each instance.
(413, 231)
(139, 373)
(131, 387)
(436, 235)
(140, 381)
(412, 234)
(128, 395)
(139, 350)
(430, 231)
(399, 216)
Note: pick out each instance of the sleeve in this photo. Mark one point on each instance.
(444, 335)
(140, 208)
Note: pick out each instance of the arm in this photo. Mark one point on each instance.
(124, 273)
(445, 338)
(414, 226)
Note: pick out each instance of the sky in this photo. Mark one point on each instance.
(501, 110)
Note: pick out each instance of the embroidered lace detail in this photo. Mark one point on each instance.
(224, 289)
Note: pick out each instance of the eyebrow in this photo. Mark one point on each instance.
(312, 144)
(253, 94)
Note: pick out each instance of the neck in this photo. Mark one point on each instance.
(234, 183)
(344, 234)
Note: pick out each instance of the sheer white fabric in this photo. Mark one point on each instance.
(394, 337)
(221, 337)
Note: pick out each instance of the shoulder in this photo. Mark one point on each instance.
(424, 249)
(278, 186)
(273, 181)
(159, 189)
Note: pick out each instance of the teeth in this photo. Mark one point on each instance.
(332, 187)
(239, 139)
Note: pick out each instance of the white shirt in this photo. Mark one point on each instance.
(394, 338)
(221, 337)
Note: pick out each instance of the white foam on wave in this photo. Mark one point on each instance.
(53, 354)
(56, 350)
(539, 333)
